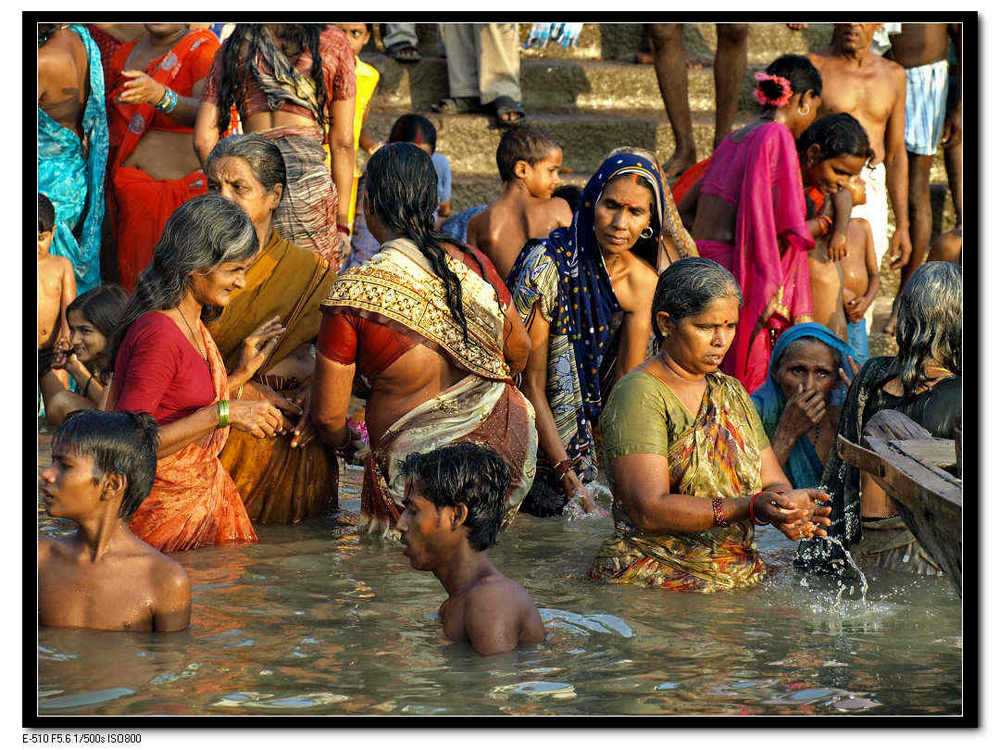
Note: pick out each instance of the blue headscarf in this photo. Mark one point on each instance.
(586, 301)
(803, 468)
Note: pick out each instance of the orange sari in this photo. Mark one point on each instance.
(194, 502)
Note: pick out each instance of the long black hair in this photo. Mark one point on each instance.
(102, 307)
(203, 233)
(836, 135)
(237, 51)
(402, 189)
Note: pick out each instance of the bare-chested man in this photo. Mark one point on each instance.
(873, 90)
(922, 49)
(73, 144)
(454, 506)
(104, 577)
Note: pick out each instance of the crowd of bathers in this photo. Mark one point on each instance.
(230, 312)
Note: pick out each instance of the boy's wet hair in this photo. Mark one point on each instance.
(572, 194)
(836, 135)
(415, 129)
(102, 306)
(46, 213)
(123, 442)
(523, 143)
(464, 474)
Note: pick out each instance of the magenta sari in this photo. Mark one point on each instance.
(760, 176)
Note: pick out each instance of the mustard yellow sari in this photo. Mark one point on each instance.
(715, 453)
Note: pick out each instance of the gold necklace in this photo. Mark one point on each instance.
(194, 338)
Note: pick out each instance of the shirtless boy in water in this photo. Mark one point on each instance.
(104, 577)
(56, 289)
(454, 505)
(529, 162)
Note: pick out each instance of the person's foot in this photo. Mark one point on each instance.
(890, 325)
(508, 112)
(403, 52)
(678, 164)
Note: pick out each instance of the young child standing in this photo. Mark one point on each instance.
(861, 282)
(366, 80)
(104, 577)
(528, 161)
(454, 506)
(56, 289)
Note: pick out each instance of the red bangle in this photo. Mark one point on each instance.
(343, 228)
(717, 519)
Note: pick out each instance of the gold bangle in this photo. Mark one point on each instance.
(239, 392)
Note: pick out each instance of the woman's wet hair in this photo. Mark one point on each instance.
(930, 322)
(415, 129)
(800, 73)
(102, 307)
(237, 51)
(836, 135)
(46, 213)
(121, 442)
(464, 474)
(522, 143)
(401, 189)
(689, 285)
(203, 233)
(263, 157)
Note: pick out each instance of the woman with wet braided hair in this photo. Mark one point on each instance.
(292, 84)
(429, 328)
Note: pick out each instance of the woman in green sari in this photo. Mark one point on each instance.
(691, 468)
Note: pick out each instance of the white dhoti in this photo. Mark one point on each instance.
(876, 210)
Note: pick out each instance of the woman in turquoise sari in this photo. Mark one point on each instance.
(800, 402)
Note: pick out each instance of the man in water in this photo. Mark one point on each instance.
(452, 513)
(873, 90)
(103, 577)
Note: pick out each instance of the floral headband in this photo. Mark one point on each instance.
(786, 90)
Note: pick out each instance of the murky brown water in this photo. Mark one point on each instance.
(313, 621)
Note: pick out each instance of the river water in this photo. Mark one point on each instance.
(313, 620)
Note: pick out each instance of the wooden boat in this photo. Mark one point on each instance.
(921, 474)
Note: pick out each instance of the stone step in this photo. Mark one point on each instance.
(620, 41)
(552, 85)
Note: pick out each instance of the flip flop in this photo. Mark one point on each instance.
(504, 105)
(458, 105)
(403, 52)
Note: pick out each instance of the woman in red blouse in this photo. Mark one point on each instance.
(167, 364)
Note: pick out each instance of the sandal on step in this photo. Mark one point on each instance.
(458, 105)
(403, 52)
(504, 105)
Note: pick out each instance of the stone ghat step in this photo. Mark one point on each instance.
(620, 41)
(470, 141)
(553, 85)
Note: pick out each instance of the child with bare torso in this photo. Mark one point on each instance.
(103, 577)
(529, 162)
(861, 284)
(454, 506)
(56, 289)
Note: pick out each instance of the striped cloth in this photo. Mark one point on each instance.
(926, 100)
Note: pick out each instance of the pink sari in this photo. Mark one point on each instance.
(761, 177)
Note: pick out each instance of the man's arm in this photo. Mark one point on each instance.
(491, 620)
(68, 295)
(897, 178)
(206, 130)
(173, 607)
(953, 120)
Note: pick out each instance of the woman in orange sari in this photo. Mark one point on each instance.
(167, 364)
(154, 84)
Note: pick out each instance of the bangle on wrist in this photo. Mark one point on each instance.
(717, 519)
(86, 388)
(239, 392)
(223, 407)
(563, 468)
(375, 147)
(344, 228)
(168, 101)
(753, 520)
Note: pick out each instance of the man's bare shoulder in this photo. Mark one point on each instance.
(890, 67)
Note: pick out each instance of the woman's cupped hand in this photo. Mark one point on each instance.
(797, 514)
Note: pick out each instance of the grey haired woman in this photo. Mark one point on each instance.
(167, 364)
(924, 381)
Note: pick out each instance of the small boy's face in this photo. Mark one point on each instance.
(68, 486)
(542, 177)
(357, 34)
(45, 241)
(425, 528)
